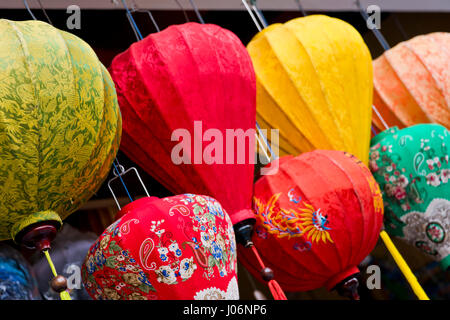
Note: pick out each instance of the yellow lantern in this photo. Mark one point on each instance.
(314, 84)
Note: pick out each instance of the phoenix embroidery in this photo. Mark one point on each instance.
(311, 223)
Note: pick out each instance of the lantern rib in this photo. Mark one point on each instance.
(311, 114)
(405, 88)
(311, 225)
(305, 269)
(313, 252)
(25, 51)
(326, 97)
(154, 139)
(436, 85)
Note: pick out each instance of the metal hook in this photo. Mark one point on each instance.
(197, 12)
(29, 10)
(119, 174)
(45, 12)
(375, 31)
(301, 8)
(266, 146)
(132, 22)
(184, 11)
(259, 14)
(135, 8)
(249, 10)
(25, 2)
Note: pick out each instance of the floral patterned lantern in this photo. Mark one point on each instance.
(181, 247)
(412, 82)
(412, 167)
(318, 217)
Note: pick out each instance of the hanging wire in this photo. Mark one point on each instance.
(380, 117)
(375, 31)
(197, 12)
(400, 27)
(184, 11)
(385, 46)
(45, 12)
(250, 12)
(301, 8)
(135, 8)
(28, 9)
(119, 171)
(262, 23)
(259, 14)
(133, 24)
(119, 174)
(153, 21)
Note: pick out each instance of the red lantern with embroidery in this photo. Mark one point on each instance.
(186, 94)
(318, 217)
(181, 247)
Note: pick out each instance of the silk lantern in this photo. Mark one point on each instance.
(412, 82)
(314, 84)
(180, 247)
(318, 217)
(60, 129)
(184, 92)
(412, 168)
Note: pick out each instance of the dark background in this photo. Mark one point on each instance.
(109, 33)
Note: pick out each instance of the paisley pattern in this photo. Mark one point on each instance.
(60, 124)
(171, 248)
(106, 255)
(412, 168)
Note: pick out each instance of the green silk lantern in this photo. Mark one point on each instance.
(412, 168)
(60, 129)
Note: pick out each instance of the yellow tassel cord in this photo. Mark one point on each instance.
(64, 295)
(404, 268)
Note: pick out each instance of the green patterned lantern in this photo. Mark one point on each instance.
(412, 167)
(60, 128)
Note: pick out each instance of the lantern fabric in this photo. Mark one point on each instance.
(60, 124)
(318, 217)
(197, 79)
(412, 82)
(314, 84)
(412, 168)
(181, 247)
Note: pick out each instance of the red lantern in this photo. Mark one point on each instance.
(181, 247)
(318, 217)
(198, 79)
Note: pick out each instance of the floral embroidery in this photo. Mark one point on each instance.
(128, 281)
(308, 222)
(413, 173)
(193, 241)
(213, 293)
(435, 232)
(314, 224)
(276, 220)
(426, 230)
